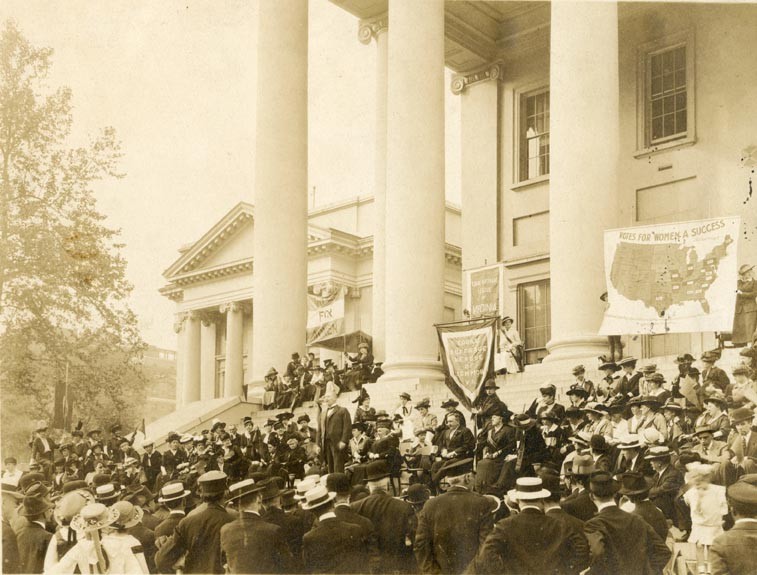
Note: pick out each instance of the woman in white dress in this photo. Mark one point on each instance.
(99, 549)
(708, 506)
(511, 347)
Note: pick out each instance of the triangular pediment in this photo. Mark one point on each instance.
(230, 239)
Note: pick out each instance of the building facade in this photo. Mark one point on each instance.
(577, 117)
(213, 283)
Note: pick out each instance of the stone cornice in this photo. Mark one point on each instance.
(370, 29)
(494, 71)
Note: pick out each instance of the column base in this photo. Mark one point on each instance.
(412, 369)
(578, 347)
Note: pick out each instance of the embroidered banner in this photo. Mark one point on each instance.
(468, 356)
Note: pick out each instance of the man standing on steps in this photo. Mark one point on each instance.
(334, 431)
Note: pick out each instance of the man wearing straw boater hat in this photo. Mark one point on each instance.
(458, 516)
(621, 542)
(531, 541)
(333, 545)
(198, 534)
(249, 543)
(173, 496)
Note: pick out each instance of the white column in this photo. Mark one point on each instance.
(234, 325)
(191, 387)
(583, 166)
(414, 189)
(207, 358)
(480, 132)
(178, 327)
(281, 160)
(376, 29)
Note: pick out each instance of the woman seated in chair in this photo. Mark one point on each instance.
(353, 379)
(494, 444)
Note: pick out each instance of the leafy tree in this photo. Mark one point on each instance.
(63, 292)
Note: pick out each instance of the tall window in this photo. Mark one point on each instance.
(534, 319)
(667, 97)
(534, 135)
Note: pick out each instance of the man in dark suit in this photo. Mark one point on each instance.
(334, 431)
(198, 534)
(452, 526)
(579, 503)
(393, 519)
(32, 536)
(11, 559)
(580, 546)
(339, 483)
(292, 528)
(635, 489)
(333, 545)
(735, 551)
(620, 542)
(666, 482)
(250, 544)
(174, 497)
(531, 541)
(151, 463)
(456, 443)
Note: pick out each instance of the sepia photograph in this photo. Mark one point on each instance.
(378, 287)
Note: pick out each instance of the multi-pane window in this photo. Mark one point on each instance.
(667, 94)
(534, 135)
(534, 321)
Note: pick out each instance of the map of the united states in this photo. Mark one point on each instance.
(666, 274)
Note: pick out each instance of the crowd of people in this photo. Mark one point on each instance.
(304, 379)
(608, 482)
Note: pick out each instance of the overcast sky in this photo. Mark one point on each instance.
(177, 81)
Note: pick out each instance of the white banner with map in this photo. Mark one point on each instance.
(668, 278)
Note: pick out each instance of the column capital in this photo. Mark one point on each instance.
(178, 323)
(235, 306)
(492, 71)
(371, 28)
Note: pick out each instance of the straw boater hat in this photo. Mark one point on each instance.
(658, 452)
(172, 492)
(317, 497)
(303, 487)
(529, 488)
(745, 268)
(94, 517)
(243, 488)
(107, 493)
(631, 441)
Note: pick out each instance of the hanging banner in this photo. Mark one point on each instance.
(467, 350)
(671, 278)
(483, 291)
(325, 313)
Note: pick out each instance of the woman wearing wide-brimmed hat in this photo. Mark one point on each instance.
(495, 442)
(97, 550)
(745, 316)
